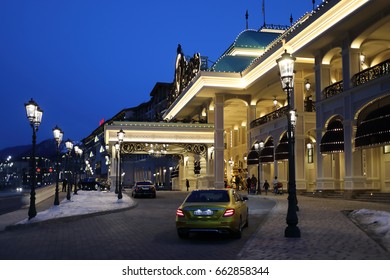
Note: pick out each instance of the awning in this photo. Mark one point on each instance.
(374, 129)
(281, 151)
(333, 139)
(253, 157)
(267, 153)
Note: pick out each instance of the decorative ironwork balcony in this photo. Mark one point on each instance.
(279, 113)
(371, 73)
(333, 90)
(309, 106)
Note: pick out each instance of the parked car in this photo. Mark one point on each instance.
(212, 210)
(143, 188)
(91, 184)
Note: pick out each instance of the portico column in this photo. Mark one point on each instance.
(219, 141)
(322, 78)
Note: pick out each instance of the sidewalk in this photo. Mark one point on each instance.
(326, 233)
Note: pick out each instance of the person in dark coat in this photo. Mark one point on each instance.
(248, 184)
(64, 182)
(266, 186)
(187, 185)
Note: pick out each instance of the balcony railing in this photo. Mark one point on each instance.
(279, 113)
(360, 78)
(332, 90)
(371, 73)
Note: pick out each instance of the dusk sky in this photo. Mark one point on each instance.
(85, 60)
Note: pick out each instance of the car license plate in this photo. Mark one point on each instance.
(207, 212)
(145, 188)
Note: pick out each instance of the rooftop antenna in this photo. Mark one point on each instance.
(263, 9)
(291, 19)
(313, 1)
(246, 17)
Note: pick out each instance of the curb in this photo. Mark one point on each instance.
(68, 218)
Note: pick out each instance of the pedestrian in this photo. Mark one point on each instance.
(275, 183)
(266, 186)
(187, 185)
(253, 183)
(248, 184)
(64, 185)
(238, 182)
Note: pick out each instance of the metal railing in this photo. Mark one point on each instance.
(371, 73)
(279, 113)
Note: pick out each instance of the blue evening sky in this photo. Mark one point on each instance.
(85, 60)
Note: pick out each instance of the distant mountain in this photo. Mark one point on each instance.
(46, 149)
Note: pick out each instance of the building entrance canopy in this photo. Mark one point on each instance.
(161, 137)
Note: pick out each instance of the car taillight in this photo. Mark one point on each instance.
(228, 213)
(179, 213)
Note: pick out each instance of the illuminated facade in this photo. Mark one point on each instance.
(341, 98)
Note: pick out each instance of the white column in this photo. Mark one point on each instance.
(219, 141)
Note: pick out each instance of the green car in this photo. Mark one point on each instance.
(212, 210)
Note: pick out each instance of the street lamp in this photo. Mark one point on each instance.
(34, 115)
(258, 147)
(286, 69)
(69, 147)
(58, 134)
(78, 152)
(121, 136)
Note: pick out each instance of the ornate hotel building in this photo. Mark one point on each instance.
(216, 118)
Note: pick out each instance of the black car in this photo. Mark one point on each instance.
(143, 188)
(91, 184)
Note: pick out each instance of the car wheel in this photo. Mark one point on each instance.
(237, 234)
(247, 220)
(183, 234)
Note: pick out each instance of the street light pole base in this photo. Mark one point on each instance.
(292, 231)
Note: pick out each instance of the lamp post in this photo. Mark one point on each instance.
(286, 68)
(258, 147)
(121, 136)
(69, 147)
(34, 115)
(78, 152)
(58, 134)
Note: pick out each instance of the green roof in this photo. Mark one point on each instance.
(254, 39)
(249, 39)
(232, 63)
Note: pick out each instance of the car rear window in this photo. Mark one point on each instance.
(144, 183)
(208, 196)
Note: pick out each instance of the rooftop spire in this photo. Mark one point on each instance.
(246, 17)
(263, 9)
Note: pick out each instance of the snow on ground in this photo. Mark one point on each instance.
(375, 223)
(85, 202)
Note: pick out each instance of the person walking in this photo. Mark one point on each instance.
(275, 183)
(266, 186)
(187, 185)
(64, 185)
(253, 183)
(248, 184)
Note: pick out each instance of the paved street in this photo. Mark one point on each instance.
(144, 232)
(148, 232)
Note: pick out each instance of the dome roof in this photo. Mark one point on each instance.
(232, 63)
(254, 39)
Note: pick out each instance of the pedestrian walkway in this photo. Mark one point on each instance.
(326, 233)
